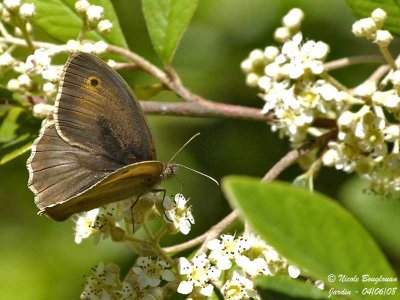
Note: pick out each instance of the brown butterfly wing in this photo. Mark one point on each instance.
(68, 179)
(58, 171)
(96, 110)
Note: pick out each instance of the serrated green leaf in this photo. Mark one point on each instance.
(364, 8)
(166, 22)
(313, 232)
(18, 130)
(59, 19)
(291, 287)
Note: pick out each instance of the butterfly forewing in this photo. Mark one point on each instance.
(96, 110)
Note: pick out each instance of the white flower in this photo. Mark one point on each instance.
(81, 6)
(73, 46)
(84, 226)
(225, 249)
(150, 272)
(199, 274)
(12, 4)
(293, 271)
(178, 214)
(293, 18)
(38, 61)
(103, 284)
(13, 85)
(366, 89)
(282, 34)
(364, 28)
(42, 110)
(246, 65)
(252, 79)
(52, 74)
(49, 88)
(94, 13)
(379, 16)
(257, 57)
(383, 38)
(104, 26)
(239, 287)
(27, 10)
(24, 81)
(88, 47)
(6, 60)
(112, 63)
(395, 77)
(271, 53)
(100, 47)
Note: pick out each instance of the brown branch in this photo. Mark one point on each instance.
(201, 110)
(295, 154)
(348, 61)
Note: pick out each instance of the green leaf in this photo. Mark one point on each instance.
(373, 212)
(291, 287)
(313, 232)
(18, 130)
(364, 8)
(166, 22)
(59, 19)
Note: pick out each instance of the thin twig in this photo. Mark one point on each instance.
(200, 110)
(348, 61)
(295, 154)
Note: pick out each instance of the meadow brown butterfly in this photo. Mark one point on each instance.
(97, 149)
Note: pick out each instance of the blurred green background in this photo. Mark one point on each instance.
(39, 259)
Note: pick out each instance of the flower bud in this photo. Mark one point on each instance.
(104, 26)
(27, 10)
(94, 13)
(383, 38)
(379, 16)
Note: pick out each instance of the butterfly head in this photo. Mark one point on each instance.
(170, 170)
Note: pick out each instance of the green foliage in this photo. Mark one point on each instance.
(18, 130)
(166, 22)
(363, 9)
(379, 215)
(291, 287)
(311, 231)
(59, 19)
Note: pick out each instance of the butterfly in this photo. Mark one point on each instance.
(97, 149)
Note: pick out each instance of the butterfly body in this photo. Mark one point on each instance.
(97, 149)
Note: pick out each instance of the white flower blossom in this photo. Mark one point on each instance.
(6, 60)
(364, 28)
(12, 4)
(100, 47)
(94, 13)
(199, 274)
(150, 272)
(379, 16)
(226, 249)
(383, 38)
(104, 26)
(239, 287)
(37, 62)
(81, 6)
(178, 213)
(293, 18)
(85, 225)
(103, 284)
(27, 10)
(42, 110)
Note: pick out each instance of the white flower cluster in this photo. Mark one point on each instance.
(93, 15)
(248, 257)
(370, 28)
(109, 220)
(290, 81)
(299, 93)
(142, 282)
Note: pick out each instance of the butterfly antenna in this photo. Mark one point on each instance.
(198, 172)
(184, 145)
